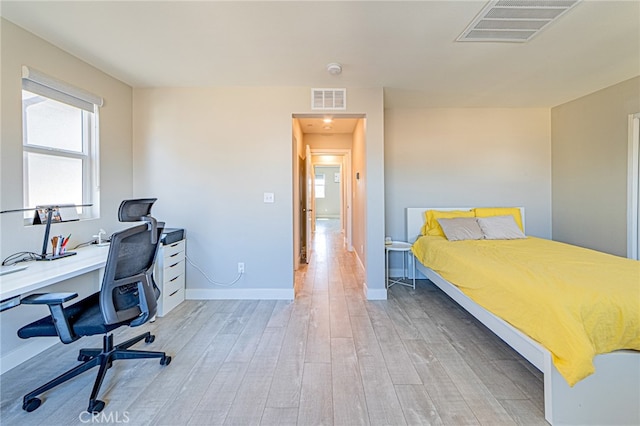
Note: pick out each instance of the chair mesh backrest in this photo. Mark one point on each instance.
(135, 253)
(131, 259)
(135, 210)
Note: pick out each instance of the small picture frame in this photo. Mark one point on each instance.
(40, 216)
(59, 214)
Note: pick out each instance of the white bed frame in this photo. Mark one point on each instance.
(609, 396)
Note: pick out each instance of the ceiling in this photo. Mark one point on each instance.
(318, 125)
(406, 47)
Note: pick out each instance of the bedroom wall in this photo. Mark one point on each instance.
(468, 157)
(589, 167)
(209, 154)
(19, 47)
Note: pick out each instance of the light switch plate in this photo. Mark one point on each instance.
(269, 197)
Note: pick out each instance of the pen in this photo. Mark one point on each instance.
(63, 247)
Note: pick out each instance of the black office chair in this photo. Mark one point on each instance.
(127, 297)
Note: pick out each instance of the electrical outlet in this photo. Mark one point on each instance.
(240, 267)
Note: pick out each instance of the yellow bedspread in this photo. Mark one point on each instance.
(576, 302)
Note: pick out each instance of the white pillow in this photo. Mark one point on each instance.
(461, 228)
(500, 228)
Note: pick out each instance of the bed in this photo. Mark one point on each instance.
(609, 396)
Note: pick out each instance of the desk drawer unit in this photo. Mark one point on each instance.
(170, 276)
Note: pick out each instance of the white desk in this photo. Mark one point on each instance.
(40, 274)
(37, 276)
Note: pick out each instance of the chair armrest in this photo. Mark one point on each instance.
(54, 301)
(48, 298)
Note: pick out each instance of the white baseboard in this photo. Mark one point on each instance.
(240, 294)
(25, 352)
(375, 294)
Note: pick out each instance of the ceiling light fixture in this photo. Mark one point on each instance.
(334, 68)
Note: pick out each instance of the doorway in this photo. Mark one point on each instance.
(321, 142)
(332, 171)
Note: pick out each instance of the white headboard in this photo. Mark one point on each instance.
(415, 219)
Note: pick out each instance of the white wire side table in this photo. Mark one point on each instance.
(405, 249)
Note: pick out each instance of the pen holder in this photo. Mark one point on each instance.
(58, 245)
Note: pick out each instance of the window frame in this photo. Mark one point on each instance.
(316, 186)
(47, 87)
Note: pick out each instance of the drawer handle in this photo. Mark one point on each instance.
(174, 292)
(174, 254)
(174, 278)
(174, 244)
(174, 265)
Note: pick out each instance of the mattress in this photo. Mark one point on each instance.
(575, 302)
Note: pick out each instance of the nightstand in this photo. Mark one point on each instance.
(405, 249)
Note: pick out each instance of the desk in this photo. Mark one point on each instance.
(42, 274)
(38, 275)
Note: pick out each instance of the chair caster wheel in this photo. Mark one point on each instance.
(31, 404)
(95, 406)
(150, 338)
(165, 360)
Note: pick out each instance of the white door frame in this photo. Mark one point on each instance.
(633, 188)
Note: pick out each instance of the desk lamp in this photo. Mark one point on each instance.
(48, 209)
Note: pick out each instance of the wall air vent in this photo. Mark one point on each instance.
(329, 99)
(514, 20)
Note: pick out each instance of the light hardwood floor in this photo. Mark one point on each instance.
(328, 357)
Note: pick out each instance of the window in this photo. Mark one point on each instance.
(60, 144)
(319, 185)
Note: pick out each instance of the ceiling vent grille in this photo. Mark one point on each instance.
(514, 20)
(329, 99)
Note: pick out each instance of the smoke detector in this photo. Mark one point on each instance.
(334, 68)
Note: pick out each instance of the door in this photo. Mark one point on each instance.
(309, 196)
(302, 208)
(306, 181)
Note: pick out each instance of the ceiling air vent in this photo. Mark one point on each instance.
(329, 99)
(514, 20)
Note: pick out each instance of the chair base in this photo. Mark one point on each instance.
(97, 357)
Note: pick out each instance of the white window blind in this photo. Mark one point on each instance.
(39, 83)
